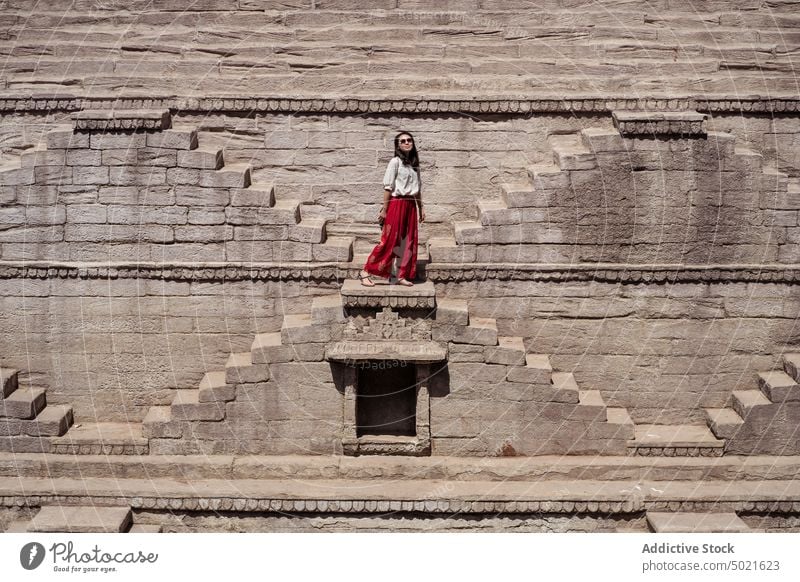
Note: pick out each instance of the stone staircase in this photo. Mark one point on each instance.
(580, 207)
(658, 48)
(143, 157)
(26, 421)
(763, 420)
(284, 397)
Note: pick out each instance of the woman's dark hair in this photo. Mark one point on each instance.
(407, 158)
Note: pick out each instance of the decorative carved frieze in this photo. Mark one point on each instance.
(659, 123)
(334, 273)
(103, 120)
(365, 105)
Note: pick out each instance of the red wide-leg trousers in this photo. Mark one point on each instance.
(398, 238)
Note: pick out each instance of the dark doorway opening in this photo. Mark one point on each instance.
(386, 399)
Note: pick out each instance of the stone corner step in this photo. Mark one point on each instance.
(102, 438)
(791, 365)
(564, 381)
(52, 421)
(745, 400)
(214, 387)
(619, 416)
(683, 436)
(591, 398)
(723, 422)
(79, 519)
(9, 381)
(23, 403)
(679, 522)
(778, 386)
(187, 406)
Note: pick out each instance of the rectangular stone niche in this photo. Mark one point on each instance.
(386, 408)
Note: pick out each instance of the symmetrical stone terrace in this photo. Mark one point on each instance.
(658, 47)
(665, 192)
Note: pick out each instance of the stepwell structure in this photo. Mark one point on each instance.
(604, 333)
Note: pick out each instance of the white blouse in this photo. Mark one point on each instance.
(402, 179)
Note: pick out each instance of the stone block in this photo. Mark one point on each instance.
(240, 370)
(37, 157)
(467, 374)
(119, 157)
(183, 177)
(159, 424)
(310, 352)
(334, 250)
(175, 138)
(199, 196)
(205, 234)
(537, 370)
(214, 388)
(76, 519)
(267, 348)
(44, 216)
(84, 157)
(117, 141)
(327, 309)
(23, 403)
(50, 175)
(52, 421)
(24, 444)
(779, 386)
(465, 353)
(87, 213)
(509, 351)
(480, 331)
(203, 159)
(230, 176)
(256, 195)
(8, 381)
(187, 406)
(452, 312)
(308, 231)
(207, 216)
(65, 137)
(291, 251)
(136, 176)
(156, 157)
(299, 329)
(444, 250)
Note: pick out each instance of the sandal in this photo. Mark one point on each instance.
(405, 283)
(364, 277)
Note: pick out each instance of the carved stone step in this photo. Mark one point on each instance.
(215, 388)
(201, 158)
(696, 523)
(230, 176)
(334, 249)
(383, 294)
(23, 403)
(744, 401)
(52, 421)
(446, 250)
(569, 153)
(791, 365)
(675, 441)
(724, 422)
(159, 424)
(779, 386)
(102, 438)
(8, 381)
(77, 519)
(239, 369)
(187, 406)
(267, 348)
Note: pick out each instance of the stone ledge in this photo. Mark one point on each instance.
(336, 272)
(512, 105)
(658, 123)
(421, 496)
(127, 120)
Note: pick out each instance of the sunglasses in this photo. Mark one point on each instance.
(405, 141)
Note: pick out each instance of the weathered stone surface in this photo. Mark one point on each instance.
(268, 348)
(240, 370)
(187, 406)
(71, 519)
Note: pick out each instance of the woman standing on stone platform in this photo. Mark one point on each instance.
(402, 196)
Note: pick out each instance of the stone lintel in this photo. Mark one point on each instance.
(422, 296)
(659, 123)
(122, 120)
(361, 351)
